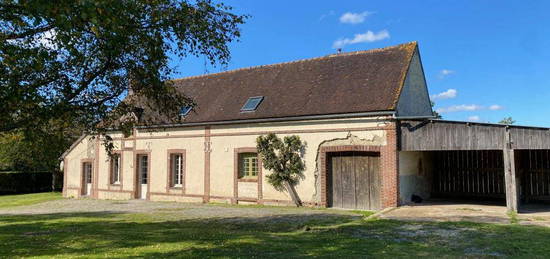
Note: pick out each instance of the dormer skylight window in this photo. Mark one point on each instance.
(185, 110)
(252, 104)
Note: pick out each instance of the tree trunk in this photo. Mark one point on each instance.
(293, 194)
(54, 180)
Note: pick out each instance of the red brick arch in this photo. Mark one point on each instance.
(388, 168)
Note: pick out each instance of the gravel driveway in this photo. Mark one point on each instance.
(172, 210)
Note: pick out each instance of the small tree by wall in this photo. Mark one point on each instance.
(282, 157)
(507, 121)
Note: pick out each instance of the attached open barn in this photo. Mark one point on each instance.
(474, 161)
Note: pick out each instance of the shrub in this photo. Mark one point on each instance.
(12, 182)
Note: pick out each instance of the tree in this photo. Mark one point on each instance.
(78, 59)
(67, 66)
(435, 113)
(21, 153)
(282, 157)
(507, 120)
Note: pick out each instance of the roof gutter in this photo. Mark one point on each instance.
(431, 117)
(293, 118)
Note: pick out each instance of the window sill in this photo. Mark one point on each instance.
(114, 184)
(247, 180)
(176, 187)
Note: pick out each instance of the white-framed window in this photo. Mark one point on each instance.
(177, 168)
(115, 169)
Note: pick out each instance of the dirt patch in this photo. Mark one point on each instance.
(479, 213)
(450, 212)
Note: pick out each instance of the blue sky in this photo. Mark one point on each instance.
(483, 60)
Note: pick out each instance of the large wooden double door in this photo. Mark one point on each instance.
(354, 180)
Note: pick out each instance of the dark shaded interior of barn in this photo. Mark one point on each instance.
(476, 175)
(458, 161)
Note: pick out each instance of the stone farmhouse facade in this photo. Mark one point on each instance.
(346, 107)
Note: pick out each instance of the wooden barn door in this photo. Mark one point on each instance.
(354, 181)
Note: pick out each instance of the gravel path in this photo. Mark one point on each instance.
(172, 210)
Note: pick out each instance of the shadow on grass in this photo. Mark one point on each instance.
(98, 233)
(115, 235)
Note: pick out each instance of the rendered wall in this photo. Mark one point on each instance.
(215, 180)
(415, 173)
(84, 149)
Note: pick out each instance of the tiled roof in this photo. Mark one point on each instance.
(354, 82)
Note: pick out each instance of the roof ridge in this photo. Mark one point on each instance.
(412, 43)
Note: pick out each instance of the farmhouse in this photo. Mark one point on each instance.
(371, 141)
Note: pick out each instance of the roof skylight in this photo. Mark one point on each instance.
(185, 110)
(252, 103)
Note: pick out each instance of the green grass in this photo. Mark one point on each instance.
(167, 234)
(513, 217)
(7, 201)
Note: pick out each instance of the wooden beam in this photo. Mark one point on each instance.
(510, 175)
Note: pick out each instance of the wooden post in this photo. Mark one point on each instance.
(510, 174)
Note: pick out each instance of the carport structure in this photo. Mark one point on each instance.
(439, 158)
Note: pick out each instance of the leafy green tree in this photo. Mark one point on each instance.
(68, 65)
(78, 59)
(282, 157)
(435, 113)
(507, 120)
(21, 153)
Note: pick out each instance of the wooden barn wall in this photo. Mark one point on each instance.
(468, 174)
(442, 135)
(424, 136)
(529, 138)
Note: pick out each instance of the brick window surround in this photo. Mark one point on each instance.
(236, 179)
(84, 161)
(111, 181)
(169, 176)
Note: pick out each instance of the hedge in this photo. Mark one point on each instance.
(13, 182)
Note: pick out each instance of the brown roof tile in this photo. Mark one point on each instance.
(363, 81)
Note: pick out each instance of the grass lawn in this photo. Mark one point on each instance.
(165, 234)
(7, 201)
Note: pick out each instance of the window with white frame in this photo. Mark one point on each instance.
(115, 169)
(177, 169)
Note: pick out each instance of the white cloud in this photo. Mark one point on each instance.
(368, 36)
(495, 107)
(354, 18)
(451, 93)
(474, 118)
(460, 108)
(445, 73)
(468, 107)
